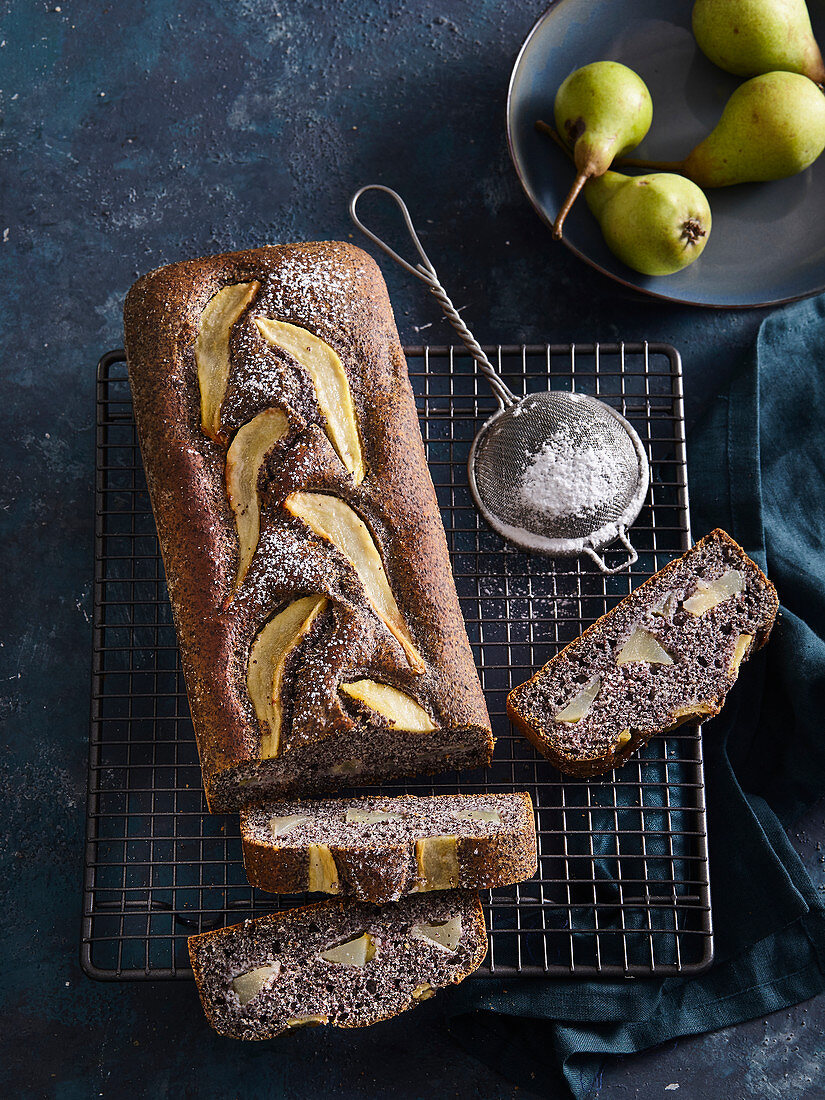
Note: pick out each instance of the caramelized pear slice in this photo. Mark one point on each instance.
(356, 952)
(693, 710)
(329, 378)
(446, 933)
(306, 1021)
(708, 595)
(323, 871)
(336, 522)
(279, 826)
(642, 646)
(212, 350)
(249, 448)
(480, 815)
(247, 986)
(437, 860)
(266, 665)
(423, 992)
(579, 706)
(740, 649)
(401, 711)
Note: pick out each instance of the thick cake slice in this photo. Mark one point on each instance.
(320, 634)
(377, 849)
(340, 963)
(667, 654)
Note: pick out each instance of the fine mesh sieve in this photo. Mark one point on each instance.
(501, 455)
(554, 472)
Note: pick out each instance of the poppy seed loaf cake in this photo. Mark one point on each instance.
(320, 635)
(667, 654)
(379, 848)
(342, 963)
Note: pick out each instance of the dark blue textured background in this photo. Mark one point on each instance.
(145, 132)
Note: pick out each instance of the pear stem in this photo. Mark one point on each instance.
(581, 179)
(558, 224)
(656, 165)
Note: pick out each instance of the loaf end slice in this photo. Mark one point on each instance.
(667, 654)
(378, 849)
(337, 962)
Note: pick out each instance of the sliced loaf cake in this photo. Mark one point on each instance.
(380, 848)
(336, 962)
(320, 634)
(667, 654)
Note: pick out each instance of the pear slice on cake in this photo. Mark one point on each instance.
(579, 706)
(267, 660)
(445, 933)
(244, 459)
(400, 709)
(335, 521)
(644, 647)
(709, 595)
(355, 952)
(212, 350)
(324, 367)
(247, 986)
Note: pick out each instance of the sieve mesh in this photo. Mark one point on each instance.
(510, 441)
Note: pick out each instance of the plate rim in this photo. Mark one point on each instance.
(625, 282)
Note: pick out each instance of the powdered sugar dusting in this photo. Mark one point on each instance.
(566, 479)
(305, 282)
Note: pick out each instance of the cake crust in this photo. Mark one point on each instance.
(335, 291)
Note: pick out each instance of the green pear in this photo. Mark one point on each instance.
(749, 37)
(772, 126)
(601, 111)
(656, 224)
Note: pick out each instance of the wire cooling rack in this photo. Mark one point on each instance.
(622, 887)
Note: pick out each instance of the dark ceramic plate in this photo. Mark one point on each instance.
(767, 244)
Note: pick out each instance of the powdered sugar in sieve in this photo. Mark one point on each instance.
(568, 480)
(559, 473)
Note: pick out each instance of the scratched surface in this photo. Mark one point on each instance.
(136, 134)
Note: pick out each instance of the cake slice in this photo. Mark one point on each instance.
(667, 654)
(378, 849)
(342, 963)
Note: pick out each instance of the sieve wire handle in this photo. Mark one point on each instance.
(427, 274)
(632, 555)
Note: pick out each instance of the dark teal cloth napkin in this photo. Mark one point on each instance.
(757, 469)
